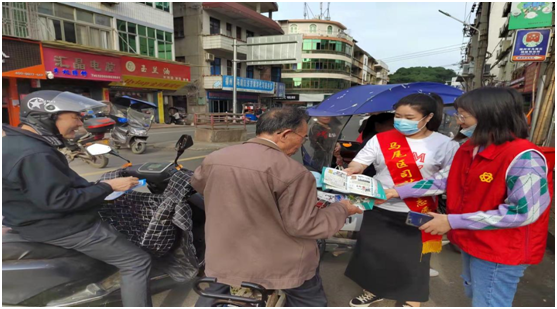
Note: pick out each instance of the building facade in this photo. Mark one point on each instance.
(332, 61)
(204, 33)
(327, 64)
(98, 49)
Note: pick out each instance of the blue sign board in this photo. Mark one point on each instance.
(281, 91)
(531, 45)
(248, 84)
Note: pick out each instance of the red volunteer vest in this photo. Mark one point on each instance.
(480, 185)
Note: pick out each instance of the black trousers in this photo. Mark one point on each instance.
(309, 294)
(103, 242)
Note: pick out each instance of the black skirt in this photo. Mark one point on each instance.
(388, 260)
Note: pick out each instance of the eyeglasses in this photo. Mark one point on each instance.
(460, 117)
(305, 138)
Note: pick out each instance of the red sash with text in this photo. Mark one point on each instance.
(403, 168)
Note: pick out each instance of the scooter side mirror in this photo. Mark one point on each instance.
(185, 142)
(98, 149)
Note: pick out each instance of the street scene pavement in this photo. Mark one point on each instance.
(536, 289)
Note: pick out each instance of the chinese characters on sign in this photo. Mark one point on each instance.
(248, 84)
(531, 45)
(143, 73)
(77, 65)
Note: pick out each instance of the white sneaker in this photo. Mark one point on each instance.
(433, 272)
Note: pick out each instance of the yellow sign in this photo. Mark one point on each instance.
(486, 177)
(149, 82)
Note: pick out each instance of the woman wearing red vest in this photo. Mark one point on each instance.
(497, 196)
(391, 259)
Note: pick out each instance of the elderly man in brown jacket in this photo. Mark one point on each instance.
(262, 223)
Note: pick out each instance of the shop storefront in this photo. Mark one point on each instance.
(79, 72)
(150, 80)
(22, 70)
(253, 91)
(221, 101)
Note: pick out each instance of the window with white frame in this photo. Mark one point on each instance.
(143, 40)
(61, 22)
(293, 28)
(163, 6)
(15, 21)
(330, 30)
(313, 28)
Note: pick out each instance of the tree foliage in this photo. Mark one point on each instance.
(421, 74)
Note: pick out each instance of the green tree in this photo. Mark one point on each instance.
(421, 74)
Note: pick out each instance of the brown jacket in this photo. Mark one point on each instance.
(262, 223)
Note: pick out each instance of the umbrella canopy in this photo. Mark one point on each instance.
(378, 98)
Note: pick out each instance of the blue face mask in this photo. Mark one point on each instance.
(408, 127)
(468, 131)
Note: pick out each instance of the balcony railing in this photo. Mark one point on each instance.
(340, 35)
(222, 42)
(316, 71)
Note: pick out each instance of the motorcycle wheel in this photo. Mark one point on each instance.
(99, 161)
(138, 147)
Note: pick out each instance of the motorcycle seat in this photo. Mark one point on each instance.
(14, 247)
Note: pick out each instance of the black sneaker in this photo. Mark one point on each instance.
(364, 300)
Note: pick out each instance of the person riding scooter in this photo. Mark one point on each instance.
(45, 201)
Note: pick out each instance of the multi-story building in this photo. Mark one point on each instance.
(382, 73)
(204, 33)
(332, 61)
(99, 49)
(326, 66)
(499, 70)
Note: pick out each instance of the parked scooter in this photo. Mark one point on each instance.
(37, 274)
(95, 133)
(133, 120)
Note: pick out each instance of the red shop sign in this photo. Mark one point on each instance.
(77, 65)
(155, 69)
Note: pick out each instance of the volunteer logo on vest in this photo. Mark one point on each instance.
(486, 177)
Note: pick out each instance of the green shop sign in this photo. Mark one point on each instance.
(526, 15)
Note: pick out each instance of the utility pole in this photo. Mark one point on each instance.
(483, 34)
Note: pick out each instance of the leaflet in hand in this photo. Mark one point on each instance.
(364, 203)
(337, 180)
(116, 194)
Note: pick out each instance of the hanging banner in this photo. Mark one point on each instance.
(531, 45)
(526, 15)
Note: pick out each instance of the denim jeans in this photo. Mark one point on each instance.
(490, 284)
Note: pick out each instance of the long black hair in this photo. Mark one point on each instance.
(425, 104)
(498, 112)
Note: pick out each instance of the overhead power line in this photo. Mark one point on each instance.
(424, 51)
(423, 55)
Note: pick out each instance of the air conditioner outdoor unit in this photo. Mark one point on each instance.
(465, 69)
(209, 57)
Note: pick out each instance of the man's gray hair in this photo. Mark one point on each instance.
(280, 119)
